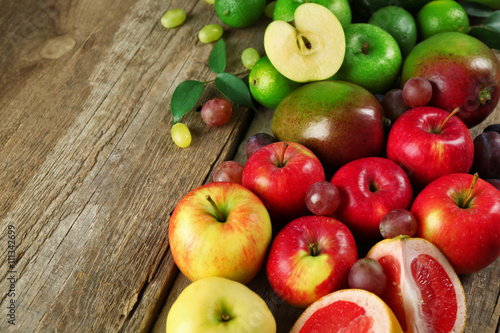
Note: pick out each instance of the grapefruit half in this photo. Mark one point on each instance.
(423, 290)
(347, 311)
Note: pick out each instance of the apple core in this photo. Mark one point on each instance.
(312, 50)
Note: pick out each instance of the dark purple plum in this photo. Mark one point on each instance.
(492, 128)
(394, 104)
(494, 182)
(257, 141)
(487, 155)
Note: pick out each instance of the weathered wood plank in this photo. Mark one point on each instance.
(89, 174)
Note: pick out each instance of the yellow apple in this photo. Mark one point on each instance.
(216, 304)
(312, 50)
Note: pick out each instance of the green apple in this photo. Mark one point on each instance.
(284, 9)
(399, 23)
(372, 59)
(219, 305)
(313, 50)
(220, 229)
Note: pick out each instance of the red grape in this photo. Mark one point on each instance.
(369, 275)
(216, 112)
(417, 91)
(398, 222)
(393, 104)
(322, 198)
(257, 141)
(228, 171)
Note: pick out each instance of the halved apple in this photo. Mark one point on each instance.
(313, 50)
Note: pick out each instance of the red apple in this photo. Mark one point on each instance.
(460, 214)
(280, 174)
(370, 188)
(309, 258)
(220, 229)
(429, 143)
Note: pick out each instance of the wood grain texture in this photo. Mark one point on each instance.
(88, 173)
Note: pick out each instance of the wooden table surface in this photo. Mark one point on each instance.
(89, 175)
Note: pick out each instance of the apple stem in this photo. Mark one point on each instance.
(452, 113)
(281, 162)
(218, 214)
(365, 47)
(313, 249)
(469, 191)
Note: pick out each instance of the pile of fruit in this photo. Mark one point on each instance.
(371, 150)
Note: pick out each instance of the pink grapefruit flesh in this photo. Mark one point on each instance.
(348, 311)
(424, 291)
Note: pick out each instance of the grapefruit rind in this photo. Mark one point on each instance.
(406, 250)
(378, 313)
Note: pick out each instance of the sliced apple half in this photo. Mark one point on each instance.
(313, 50)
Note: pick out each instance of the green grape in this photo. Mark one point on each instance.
(269, 9)
(210, 33)
(181, 135)
(249, 57)
(210, 1)
(173, 18)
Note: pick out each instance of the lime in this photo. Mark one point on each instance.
(269, 9)
(239, 14)
(267, 85)
(399, 23)
(441, 16)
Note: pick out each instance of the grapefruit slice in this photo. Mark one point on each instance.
(347, 311)
(423, 290)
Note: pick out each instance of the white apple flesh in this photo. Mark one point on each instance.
(313, 50)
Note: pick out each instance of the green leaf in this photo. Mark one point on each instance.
(476, 9)
(488, 36)
(217, 59)
(185, 97)
(493, 21)
(234, 89)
